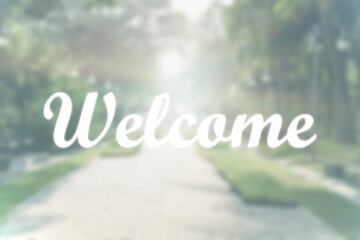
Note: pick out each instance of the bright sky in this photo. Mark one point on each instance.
(193, 9)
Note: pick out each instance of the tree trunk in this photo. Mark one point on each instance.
(346, 130)
(329, 96)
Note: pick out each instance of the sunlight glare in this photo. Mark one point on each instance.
(171, 64)
(194, 10)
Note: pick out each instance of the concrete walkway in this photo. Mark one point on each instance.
(161, 194)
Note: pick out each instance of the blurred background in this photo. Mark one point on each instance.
(212, 56)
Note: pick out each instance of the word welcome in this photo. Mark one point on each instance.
(216, 124)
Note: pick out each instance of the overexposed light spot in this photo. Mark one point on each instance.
(233, 90)
(4, 42)
(227, 2)
(74, 73)
(95, 11)
(193, 9)
(180, 109)
(266, 78)
(171, 64)
(107, 11)
(92, 80)
(118, 11)
(135, 22)
(343, 45)
(252, 82)
(70, 15)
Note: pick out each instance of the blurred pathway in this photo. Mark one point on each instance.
(161, 194)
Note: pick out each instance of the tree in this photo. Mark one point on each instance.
(273, 36)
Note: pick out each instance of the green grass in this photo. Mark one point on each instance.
(256, 179)
(261, 181)
(16, 190)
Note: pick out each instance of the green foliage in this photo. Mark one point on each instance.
(37, 9)
(99, 3)
(277, 37)
(46, 42)
(33, 71)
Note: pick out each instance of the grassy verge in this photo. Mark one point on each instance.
(262, 181)
(16, 190)
(333, 159)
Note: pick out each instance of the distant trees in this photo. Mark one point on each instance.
(276, 37)
(51, 46)
(31, 70)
